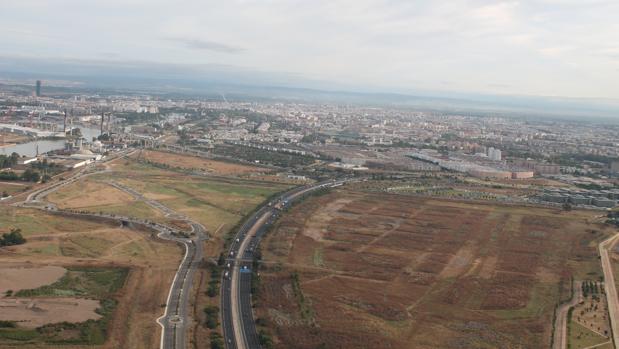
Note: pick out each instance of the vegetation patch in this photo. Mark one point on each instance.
(98, 283)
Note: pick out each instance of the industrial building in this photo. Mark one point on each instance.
(581, 197)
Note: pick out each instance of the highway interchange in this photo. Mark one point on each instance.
(175, 318)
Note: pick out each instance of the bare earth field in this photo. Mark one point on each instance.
(35, 312)
(193, 162)
(55, 243)
(359, 270)
(16, 278)
(12, 188)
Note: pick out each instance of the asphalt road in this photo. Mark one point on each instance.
(560, 335)
(237, 314)
(175, 319)
(609, 286)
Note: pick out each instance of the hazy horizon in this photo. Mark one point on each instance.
(549, 48)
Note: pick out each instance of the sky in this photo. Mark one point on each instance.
(567, 48)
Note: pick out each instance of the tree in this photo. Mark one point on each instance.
(567, 206)
(30, 176)
(13, 238)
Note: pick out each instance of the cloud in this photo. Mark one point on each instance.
(539, 47)
(199, 44)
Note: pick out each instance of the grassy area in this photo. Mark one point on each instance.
(99, 283)
(85, 246)
(582, 337)
(32, 222)
(136, 209)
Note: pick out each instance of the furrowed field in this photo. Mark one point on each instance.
(352, 269)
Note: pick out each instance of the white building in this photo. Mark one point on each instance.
(494, 154)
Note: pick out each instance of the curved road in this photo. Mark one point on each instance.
(175, 318)
(560, 335)
(237, 314)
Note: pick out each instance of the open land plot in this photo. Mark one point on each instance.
(128, 308)
(9, 138)
(210, 201)
(364, 270)
(194, 162)
(94, 195)
(75, 309)
(12, 188)
(16, 278)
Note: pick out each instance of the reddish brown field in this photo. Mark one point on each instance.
(193, 162)
(388, 271)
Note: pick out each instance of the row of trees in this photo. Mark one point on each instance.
(29, 175)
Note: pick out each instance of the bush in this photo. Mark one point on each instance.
(212, 315)
(216, 341)
(12, 238)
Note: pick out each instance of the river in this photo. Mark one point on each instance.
(30, 149)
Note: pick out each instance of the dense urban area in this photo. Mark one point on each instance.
(145, 220)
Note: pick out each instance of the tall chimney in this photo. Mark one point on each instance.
(102, 118)
(64, 124)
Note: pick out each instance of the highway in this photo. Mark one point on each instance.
(610, 286)
(237, 314)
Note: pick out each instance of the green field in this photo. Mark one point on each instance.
(215, 202)
(582, 337)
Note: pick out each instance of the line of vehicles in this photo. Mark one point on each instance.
(241, 255)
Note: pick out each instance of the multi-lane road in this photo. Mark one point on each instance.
(237, 314)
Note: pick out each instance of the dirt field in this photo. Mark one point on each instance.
(360, 270)
(193, 162)
(16, 278)
(12, 188)
(87, 193)
(35, 312)
(67, 242)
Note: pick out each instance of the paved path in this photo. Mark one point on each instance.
(560, 335)
(610, 287)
